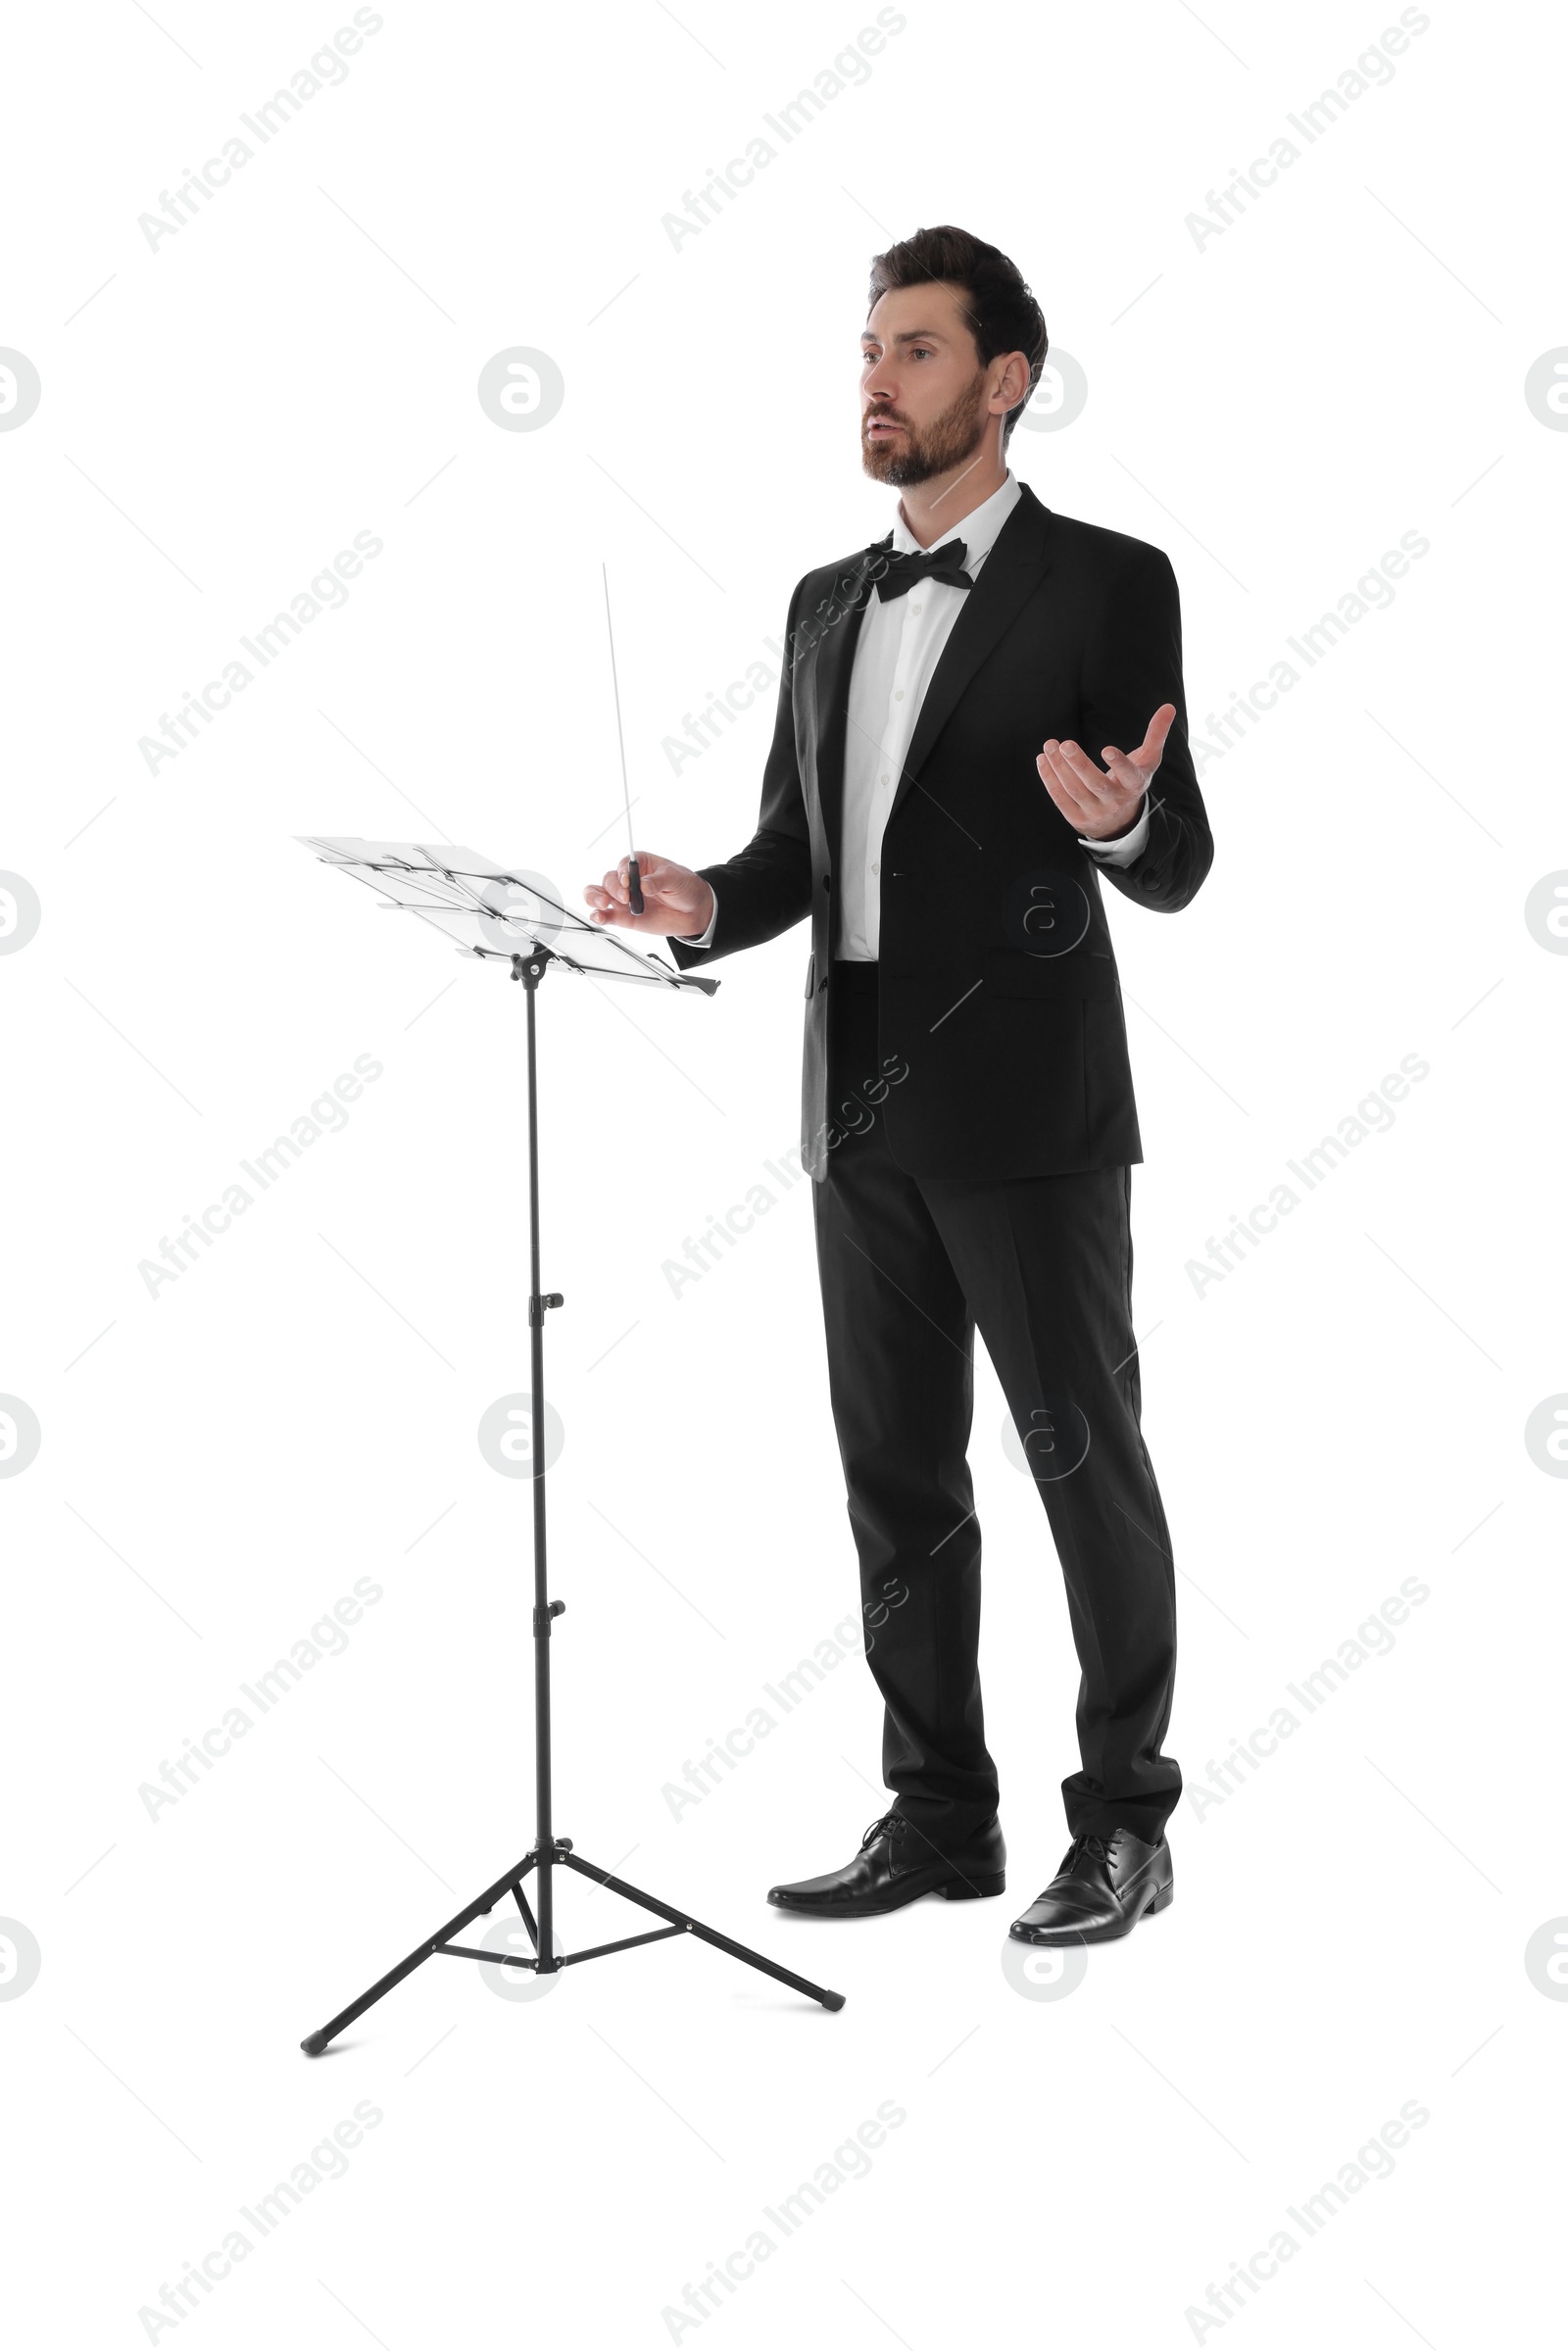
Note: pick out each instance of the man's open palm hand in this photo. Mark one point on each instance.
(1100, 802)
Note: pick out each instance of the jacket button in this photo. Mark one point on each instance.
(827, 881)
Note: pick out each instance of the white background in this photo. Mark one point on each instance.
(220, 1461)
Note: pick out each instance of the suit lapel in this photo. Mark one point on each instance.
(1017, 561)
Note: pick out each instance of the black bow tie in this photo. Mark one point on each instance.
(901, 571)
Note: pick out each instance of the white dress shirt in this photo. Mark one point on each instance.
(900, 644)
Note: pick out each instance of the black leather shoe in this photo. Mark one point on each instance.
(897, 1864)
(1105, 1884)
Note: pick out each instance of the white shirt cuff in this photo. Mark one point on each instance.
(707, 939)
(1127, 846)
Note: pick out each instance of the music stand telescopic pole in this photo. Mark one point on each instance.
(549, 1851)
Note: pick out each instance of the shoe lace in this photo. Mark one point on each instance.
(1087, 1847)
(891, 1824)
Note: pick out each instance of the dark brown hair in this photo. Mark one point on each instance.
(1002, 312)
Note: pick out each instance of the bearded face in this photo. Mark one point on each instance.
(915, 453)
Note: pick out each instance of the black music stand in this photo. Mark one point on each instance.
(509, 914)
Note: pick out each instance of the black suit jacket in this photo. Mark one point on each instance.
(1002, 1041)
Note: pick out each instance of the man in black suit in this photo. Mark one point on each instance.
(930, 801)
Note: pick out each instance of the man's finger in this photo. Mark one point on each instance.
(1154, 743)
(1058, 782)
(1124, 771)
(651, 869)
(1090, 780)
(1078, 775)
(1054, 765)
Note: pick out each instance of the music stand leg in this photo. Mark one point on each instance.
(708, 1934)
(315, 2042)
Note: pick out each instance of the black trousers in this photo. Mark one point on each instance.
(909, 1267)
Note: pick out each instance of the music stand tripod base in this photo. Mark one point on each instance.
(549, 1852)
(562, 1856)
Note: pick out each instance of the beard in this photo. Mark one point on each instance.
(921, 452)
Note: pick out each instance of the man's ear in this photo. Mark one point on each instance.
(1012, 399)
